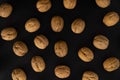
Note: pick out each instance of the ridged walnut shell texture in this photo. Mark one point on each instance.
(78, 26)
(111, 64)
(20, 48)
(8, 34)
(62, 71)
(5, 10)
(103, 3)
(101, 42)
(43, 5)
(18, 74)
(57, 23)
(61, 48)
(111, 19)
(90, 75)
(69, 4)
(86, 54)
(32, 25)
(38, 63)
(41, 41)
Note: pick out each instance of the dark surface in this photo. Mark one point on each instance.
(85, 9)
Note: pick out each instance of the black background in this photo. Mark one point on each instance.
(85, 9)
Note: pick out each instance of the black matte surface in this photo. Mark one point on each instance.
(85, 9)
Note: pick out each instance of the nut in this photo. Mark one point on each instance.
(20, 48)
(85, 54)
(19, 74)
(38, 64)
(57, 23)
(43, 5)
(103, 3)
(101, 42)
(5, 10)
(32, 25)
(62, 71)
(61, 48)
(69, 4)
(111, 19)
(41, 41)
(9, 34)
(78, 26)
(89, 75)
(111, 64)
